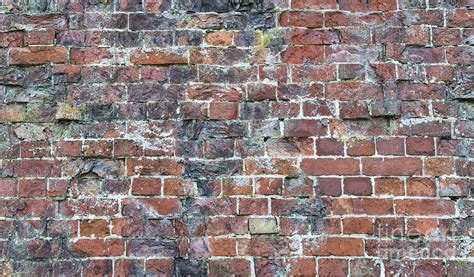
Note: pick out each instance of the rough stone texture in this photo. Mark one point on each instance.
(236, 137)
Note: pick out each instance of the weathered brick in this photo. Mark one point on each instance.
(236, 137)
(39, 55)
(301, 19)
(424, 207)
(151, 167)
(391, 166)
(160, 57)
(333, 246)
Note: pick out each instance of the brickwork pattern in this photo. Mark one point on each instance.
(246, 137)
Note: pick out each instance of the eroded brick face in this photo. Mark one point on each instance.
(236, 137)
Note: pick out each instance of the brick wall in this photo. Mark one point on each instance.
(214, 137)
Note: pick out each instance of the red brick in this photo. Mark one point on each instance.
(99, 248)
(368, 206)
(302, 267)
(390, 146)
(268, 186)
(146, 186)
(409, 91)
(421, 227)
(309, 73)
(429, 267)
(159, 57)
(159, 266)
(461, 18)
(15, 39)
(266, 246)
(332, 267)
(329, 147)
(98, 148)
(219, 38)
(305, 36)
(439, 166)
(152, 206)
(358, 225)
(69, 148)
(178, 187)
(420, 146)
(90, 55)
(303, 54)
(389, 227)
(126, 267)
(290, 147)
(333, 19)
(35, 149)
(320, 116)
(357, 186)
(364, 266)
(8, 187)
(350, 91)
(446, 36)
(126, 148)
(229, 266)
(94, 228)
(459, 55)
(215, 92)
(313, 4)
(304, 128)
(83, 207)
(293, 226)
(223, 110)
(223, 246)
(39, 37)
(333, 247)
(277, 73)
(227, 225)
(329, 186)
(253, 206)
(389, 186)
(151, 167)
(360, 147)
(38, 55)
(32, 187)
(258, 92)
(353, 110)
(391, 166)
(285, 109)
(424, 207)
(454, 187)
(327, 166)
(440, 73)
(421, 186)
(272, 166)
(301, 19)
(219, 56)
(414, 109)
(35, 168)
(57, 188)
(240, 186)
(354, 6)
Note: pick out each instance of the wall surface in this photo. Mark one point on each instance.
(247, 137)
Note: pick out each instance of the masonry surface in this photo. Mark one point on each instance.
(249, 138)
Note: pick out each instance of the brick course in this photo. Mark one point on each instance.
(236, 137)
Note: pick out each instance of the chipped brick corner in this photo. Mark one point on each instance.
(236, 137)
